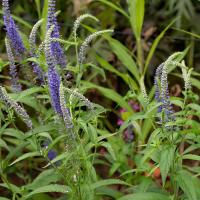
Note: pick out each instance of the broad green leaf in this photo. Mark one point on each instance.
(3, 198)
(136, 10)
(109, 192)
(166, 161)
(191, 157)
(49, 188)
(25, 156)
(123, 54)
(28, 92)
(195, 82)
(11, 186)
(44, 178)
(186, 183)
(194, 106)
(108, 182)
(111, 94)
(145, 196)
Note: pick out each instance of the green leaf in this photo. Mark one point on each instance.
(122, 53)
(45, 178)
(3, 144)
(166, 161)
(115, 7)
(155, 44)
(136, 10)
(37, 2)
(3, 198)
(109, 149)
(28, 92)
(111, 94)
(108, 182)
(195, 82)
(49, 188)
(25, 156)
(110, 68)
(145, 196)
(186, 183)
(191, 157)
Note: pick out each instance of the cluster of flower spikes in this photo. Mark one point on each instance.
(56, 49)
(14, 41)
(12, 31)
(162, 92)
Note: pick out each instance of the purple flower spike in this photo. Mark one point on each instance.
(54, 84)
(11, 30)
(56, 48)
(53, 77)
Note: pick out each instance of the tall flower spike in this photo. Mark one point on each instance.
(165, 98)
(18, 109)
(143, 90)
(12, 31)
(66, 113)
(53, 77)
(157, 86)
(13, 71)
(32, 42)
(87, 41)
(76, 94)
(56, 49)
(79, 20)
(186, 76)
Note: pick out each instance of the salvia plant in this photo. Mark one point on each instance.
(56, 142)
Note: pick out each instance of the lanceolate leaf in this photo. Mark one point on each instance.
(49, 188)
(111, 94)
(145, 196)
(187, 184)
(136, 10)
(124, 56)
(166, 161)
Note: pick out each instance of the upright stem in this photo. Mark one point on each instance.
(140, 54)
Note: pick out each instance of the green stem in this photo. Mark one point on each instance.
(139, 55)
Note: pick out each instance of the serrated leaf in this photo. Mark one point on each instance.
(186, 183)
(166, 161)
